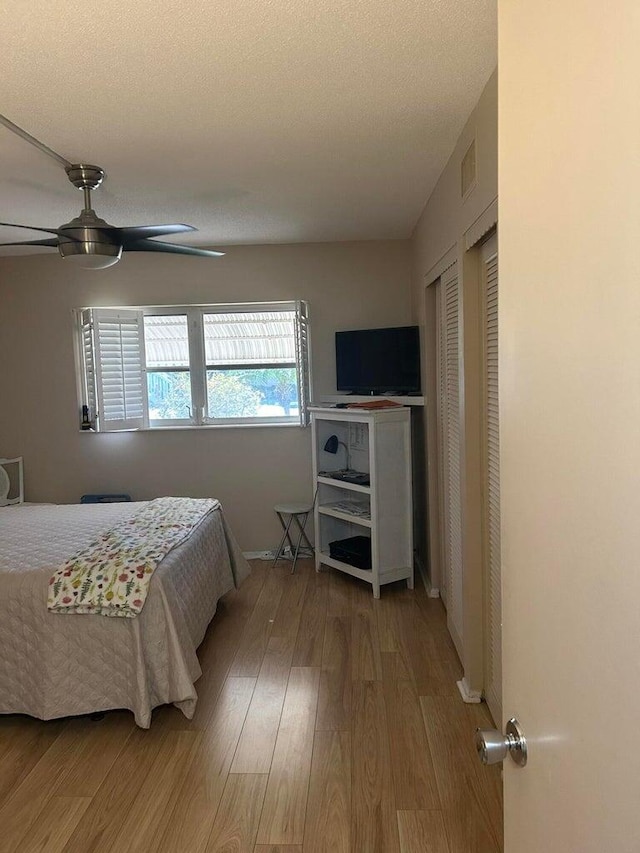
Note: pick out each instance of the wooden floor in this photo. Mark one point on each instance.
(327, 722)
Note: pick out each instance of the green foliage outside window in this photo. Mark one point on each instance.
(230, 397)
(231, 393)
(277, 385)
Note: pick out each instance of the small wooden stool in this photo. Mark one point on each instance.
(299, 513)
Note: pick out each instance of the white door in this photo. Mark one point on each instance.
(569, 190)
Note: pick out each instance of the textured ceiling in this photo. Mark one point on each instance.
(257, 121)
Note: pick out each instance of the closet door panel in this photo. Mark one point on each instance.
(492, 560)
(449, 434)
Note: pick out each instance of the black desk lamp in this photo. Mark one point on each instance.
(332, 444)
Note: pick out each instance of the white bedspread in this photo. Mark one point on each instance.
(54, 666)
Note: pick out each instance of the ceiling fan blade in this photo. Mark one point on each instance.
(141, 232)
(51, 241)
(169, 248)
(30, 227)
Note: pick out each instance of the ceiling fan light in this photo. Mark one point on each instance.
(93, 262)
(90, 255)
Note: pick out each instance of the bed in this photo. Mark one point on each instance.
(57, 665)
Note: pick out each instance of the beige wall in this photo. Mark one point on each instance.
(447, 216)
(348, 285)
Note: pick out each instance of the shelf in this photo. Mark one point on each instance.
(388, 576)
(345, 515)
(417, 400)
(342, 484)
(359, 508)
(363, 574)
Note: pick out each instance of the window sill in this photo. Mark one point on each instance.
(190, 427)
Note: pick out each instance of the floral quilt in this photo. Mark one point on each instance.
(111, 576)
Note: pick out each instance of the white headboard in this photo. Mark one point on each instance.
(11, 481)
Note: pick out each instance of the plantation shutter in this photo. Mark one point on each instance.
(493, 571)
(87, 356)
(303, 360)
(119, 359)
(449, 386)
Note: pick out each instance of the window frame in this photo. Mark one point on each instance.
(88, 365)
(171, 311)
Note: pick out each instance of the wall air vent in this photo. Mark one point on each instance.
(468, 171)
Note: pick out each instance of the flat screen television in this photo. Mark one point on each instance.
(379, 361)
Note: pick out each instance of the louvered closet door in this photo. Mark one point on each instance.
(449, 443)
(491, 481)
(441, 356)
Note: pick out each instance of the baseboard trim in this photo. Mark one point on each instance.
(471, 697)
(432, 591)
(271, 554)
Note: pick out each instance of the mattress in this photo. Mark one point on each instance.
(56, 665)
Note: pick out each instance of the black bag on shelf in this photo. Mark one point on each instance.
(356, 551)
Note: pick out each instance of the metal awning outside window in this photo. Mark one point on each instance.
(249, 339)
(238, 339)
(166, 341)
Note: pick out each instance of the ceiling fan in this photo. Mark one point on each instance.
(89, 241)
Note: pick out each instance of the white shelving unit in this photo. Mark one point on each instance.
(376, 443)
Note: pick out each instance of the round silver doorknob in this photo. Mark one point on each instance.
(494, 747)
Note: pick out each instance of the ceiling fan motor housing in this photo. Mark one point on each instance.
(69, 247)
(87, 238)
(89, 228)
(90, 237)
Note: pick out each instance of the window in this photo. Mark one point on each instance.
(166, 346)
(194, 365)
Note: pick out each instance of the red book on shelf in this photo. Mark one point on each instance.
(374, 404)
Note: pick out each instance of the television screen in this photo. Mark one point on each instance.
(379, 361)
